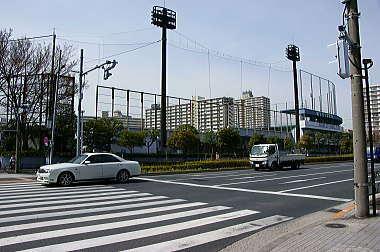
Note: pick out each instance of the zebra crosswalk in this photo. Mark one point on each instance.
(107, 218)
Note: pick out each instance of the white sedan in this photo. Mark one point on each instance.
(89, 166)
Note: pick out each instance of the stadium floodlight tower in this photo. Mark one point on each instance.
(166, 19)
(293, 54)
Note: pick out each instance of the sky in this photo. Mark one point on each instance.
(246, 40)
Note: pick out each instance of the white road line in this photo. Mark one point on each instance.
(45, 189)
(82, 204)
(107, 226)
(41, 224)
(203, 238)
(301, 180)
(94, 209)
(251, 191)
(123, 237)
(27, 184)
(43, 196)
(294, 176)
(269, 175)
(304, 187)
(70, 199)
(211, 177)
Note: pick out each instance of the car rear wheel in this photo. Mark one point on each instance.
(122, 176)
(65, 179)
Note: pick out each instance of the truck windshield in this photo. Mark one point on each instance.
(259, 150)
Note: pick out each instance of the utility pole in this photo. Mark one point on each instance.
(165, 18)
(79, 119)
(293, 54)
(367, 65)
(55, 107)
(358, 119)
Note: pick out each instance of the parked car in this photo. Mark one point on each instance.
(89, 166)
(376, 153)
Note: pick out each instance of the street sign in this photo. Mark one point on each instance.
(46, 141)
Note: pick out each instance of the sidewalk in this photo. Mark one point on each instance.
(16, 178)
(334, 229)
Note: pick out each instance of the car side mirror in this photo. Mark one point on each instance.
(87, 162)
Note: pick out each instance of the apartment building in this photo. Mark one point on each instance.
(374, 96)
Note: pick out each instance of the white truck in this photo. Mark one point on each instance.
(268, 156)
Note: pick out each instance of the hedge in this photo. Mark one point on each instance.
(216, 165)
(211, 165)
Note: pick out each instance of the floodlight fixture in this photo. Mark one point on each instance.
(164, 17)
(293, 53)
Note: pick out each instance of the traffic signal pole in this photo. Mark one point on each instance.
(358, 119)
(296, 103)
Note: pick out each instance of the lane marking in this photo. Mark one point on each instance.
(94, 209)
(127, 236)
(343, 212)
(328, 183)
(77, 193)
(249, 190)
(109, 226)
(294, 176)
(301, 180)
(37, 189)
(82, 204)
(203, 238)
(93, 196)
(98, 217)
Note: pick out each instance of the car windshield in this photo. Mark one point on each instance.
(78, 159)
(259, 150)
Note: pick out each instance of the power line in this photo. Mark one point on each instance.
(27, 38)
(102, 44)
(127, 51)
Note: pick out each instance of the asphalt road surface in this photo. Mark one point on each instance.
(192, 212)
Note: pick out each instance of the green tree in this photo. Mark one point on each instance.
(305, 143)
(228, 140)
(274, 140)
(130, 140)
(319, 139)
(255, 139)
(183, 139)
(288, 143)
(210, 138)
(100, 134)
(150, 136)
(345, 144)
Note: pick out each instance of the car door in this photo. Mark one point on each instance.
(93, 169)
(111, 166)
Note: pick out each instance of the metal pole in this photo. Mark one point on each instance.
(55, 108)
(79, 151)
(163, 133)
(113, 101)
(296, 106)
(358, 119)
(369, 117)
(96, 102)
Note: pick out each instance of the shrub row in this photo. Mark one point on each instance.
(346, 157)
(210, 165)
(216, 165)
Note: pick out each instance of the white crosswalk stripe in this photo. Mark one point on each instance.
(38, 218)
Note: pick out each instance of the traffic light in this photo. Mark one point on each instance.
(107, 73)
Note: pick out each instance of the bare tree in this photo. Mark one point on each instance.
(27, 81)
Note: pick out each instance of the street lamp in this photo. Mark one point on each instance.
(293, 54)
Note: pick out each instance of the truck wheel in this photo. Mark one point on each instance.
(273, 166)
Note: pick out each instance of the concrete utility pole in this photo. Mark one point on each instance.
(79, 119)
(358, 120)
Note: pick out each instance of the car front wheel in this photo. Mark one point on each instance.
(122, 176)
(65, 179)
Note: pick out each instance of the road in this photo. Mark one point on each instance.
(193, 212)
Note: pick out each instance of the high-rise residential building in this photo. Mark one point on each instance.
(176, 115)
(252, 112)
(213, 114)
(374, 96)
